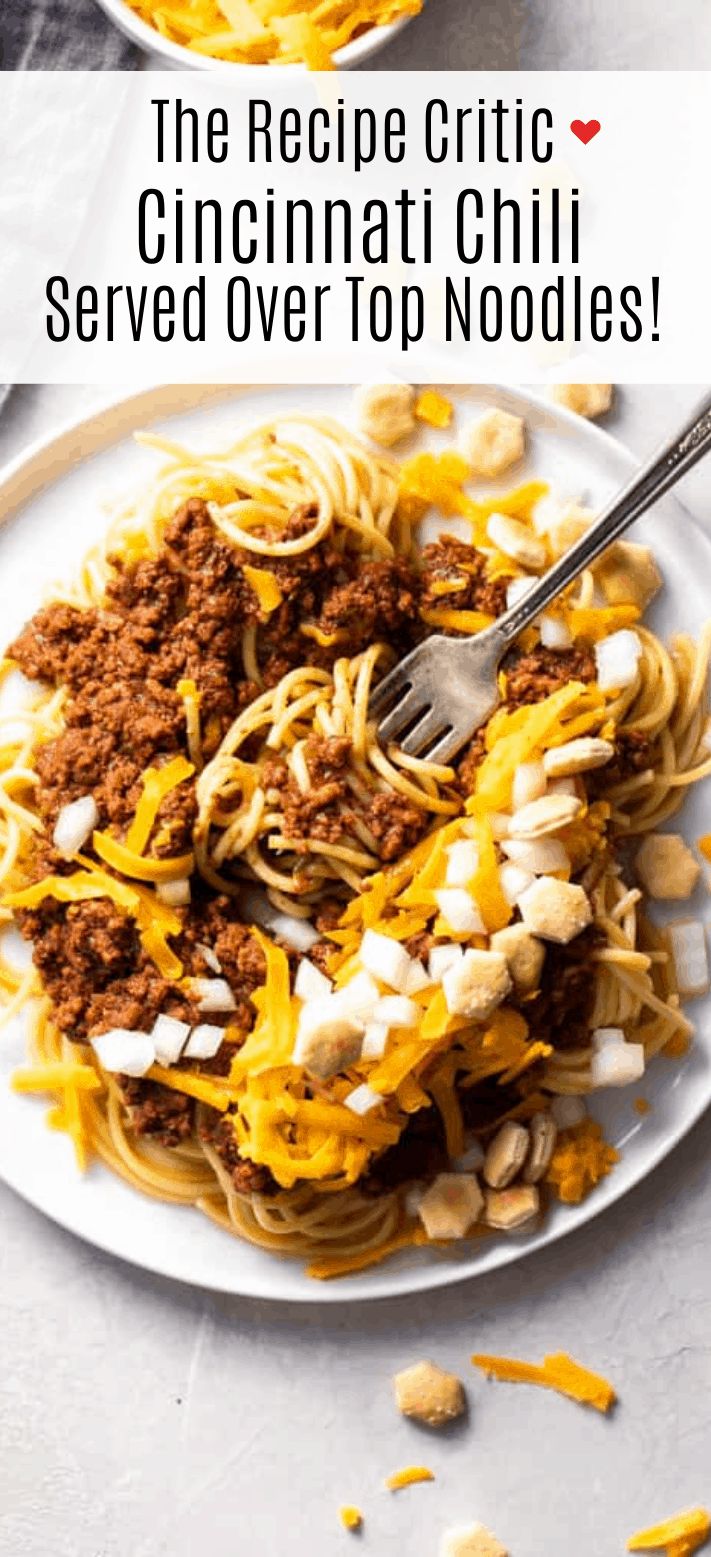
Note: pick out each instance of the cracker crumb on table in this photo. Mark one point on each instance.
(428, 1394)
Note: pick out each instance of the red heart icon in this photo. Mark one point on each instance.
(585, 132)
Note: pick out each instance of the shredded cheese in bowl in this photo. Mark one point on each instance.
(311, 33)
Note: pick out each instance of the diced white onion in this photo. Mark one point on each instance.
(299, 933)
(210, 957)
(328, 1038)
(204, 1041)
(514, 881)
(169, 1039)
(499, 823)
(418, 978)
(604, 1037)
(126, 1050)
(687, 938)
(617, 1065)
(74, 825)
(568, 1112)
(460, 911)
(213, 995)
(397, 1011)
(375, 1038)
(529, 784)
(555, 633)
(616, 659)
(362, 1099)
(386, 959)
(516, 590)
(322, 1012)
(540, 856)
(462, 862)
(443, 957)
(310, 981)
(175, 893)
(358, 997)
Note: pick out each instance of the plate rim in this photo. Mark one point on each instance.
(32, 471)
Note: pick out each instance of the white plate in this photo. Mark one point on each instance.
(52, 502)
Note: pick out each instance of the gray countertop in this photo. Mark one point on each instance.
(141, 1418)
(553, 35)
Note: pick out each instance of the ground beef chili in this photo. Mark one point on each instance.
(421, 1151)
(560, 1013)
(452, 561)
(634, 753)
(532, 677)
(156, 1111)
(467, 765)
(248, 1178)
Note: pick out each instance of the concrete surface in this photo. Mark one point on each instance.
(144, 1419)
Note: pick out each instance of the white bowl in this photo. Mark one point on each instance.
(177, 57)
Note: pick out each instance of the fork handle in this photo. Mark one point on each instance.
(661, 471)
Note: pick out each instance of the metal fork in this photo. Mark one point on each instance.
(432, 702)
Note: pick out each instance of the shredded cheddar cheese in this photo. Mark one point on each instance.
(157, 783)
(558, 1371)
(596, 622)
(408, 1477)
(137, 866)
(679, 1536)
(324, 640)
(457, 621)
(70, 1081)
(200, 1087)
(351, 1517)
(440, 478)
(433, 408)
(581, 1158)
(265, 586)
(74, 889)
(155, 921)
(55, 1077)
(514, 738)
(266, 32)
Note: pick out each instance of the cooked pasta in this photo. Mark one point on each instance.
(274, 975)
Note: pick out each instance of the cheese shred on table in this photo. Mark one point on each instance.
(557, 1371)
(679, 1536)
(408, 1477)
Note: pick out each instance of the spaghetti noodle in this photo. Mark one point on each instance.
(206, 681)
